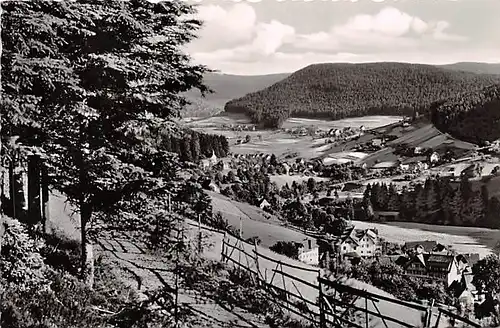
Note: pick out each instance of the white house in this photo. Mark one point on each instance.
(377, 142)
(264, 203)
(287, 168)
(309, 252)
(404, 167)
(206, 163)
(435, 267)
(365, 243)
(213, 159)
(434, 157)
(215, 188)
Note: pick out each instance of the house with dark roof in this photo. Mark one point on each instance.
(424, 246)
(365, 243)
(435, 267)
(383, 216)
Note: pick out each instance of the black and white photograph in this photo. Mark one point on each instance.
(250, 164)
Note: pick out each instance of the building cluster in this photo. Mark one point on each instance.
(424, 259)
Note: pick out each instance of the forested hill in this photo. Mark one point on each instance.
(348, 90)
(225, 87)
(480, 68)
(472, 116)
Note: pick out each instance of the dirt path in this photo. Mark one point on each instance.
(146, 272)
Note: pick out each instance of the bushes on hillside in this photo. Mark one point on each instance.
(287, 248)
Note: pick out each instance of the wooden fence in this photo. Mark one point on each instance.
(303, 292)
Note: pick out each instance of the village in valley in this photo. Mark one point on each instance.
(143, 186)
(329, 197)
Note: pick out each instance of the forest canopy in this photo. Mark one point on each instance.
(337, 91)
(472, 116)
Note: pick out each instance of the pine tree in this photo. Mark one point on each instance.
(195, 147)
(393, 198)
(92, 89)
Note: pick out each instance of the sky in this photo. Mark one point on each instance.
(252, 37)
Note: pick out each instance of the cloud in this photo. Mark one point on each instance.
(225, 28)
(390, 28)
(440, 34)
(233, 37)
(236, 32)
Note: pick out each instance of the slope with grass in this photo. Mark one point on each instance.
(338, 91)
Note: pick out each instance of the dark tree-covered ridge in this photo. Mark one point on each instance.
(337, 91)
(472, 116)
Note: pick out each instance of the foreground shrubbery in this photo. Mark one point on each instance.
(39, 288)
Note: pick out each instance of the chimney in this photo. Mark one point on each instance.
(309, 243)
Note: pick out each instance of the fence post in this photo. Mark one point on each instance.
(320, 305)
(366, 313)
(240, 244)
(257, 262)
(438, 319)
(222, 253)
(199, 233)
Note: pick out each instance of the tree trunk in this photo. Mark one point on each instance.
(34, 201)
(87, 259)
(45, 197)
(24, 185)
(85, 216)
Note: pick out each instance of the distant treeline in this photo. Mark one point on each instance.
(438, 201)
(472, 116)
(194, 146)
(337, 91)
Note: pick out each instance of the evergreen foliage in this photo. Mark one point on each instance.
(438, 201)
(337, 91)
(472, 116)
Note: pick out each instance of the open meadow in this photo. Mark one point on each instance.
(369, 122)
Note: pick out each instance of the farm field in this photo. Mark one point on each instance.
(280, 143)
(462, 239)
(344, 157)
(428, 136)
(458, 167)
(370, 122)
